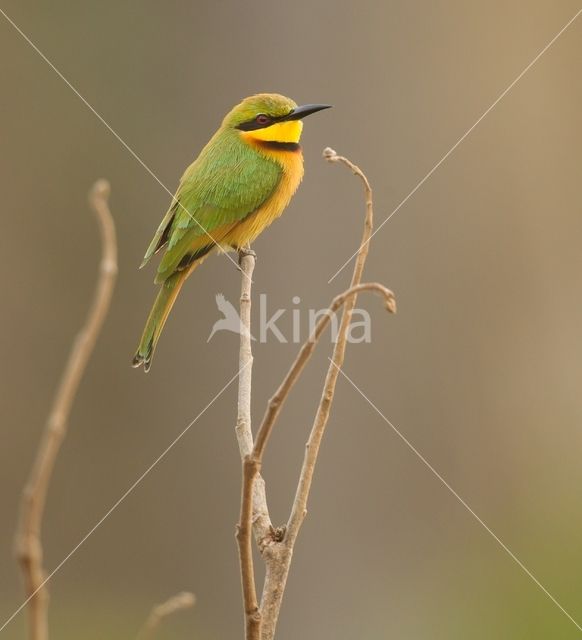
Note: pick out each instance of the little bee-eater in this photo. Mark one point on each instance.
(242, 180)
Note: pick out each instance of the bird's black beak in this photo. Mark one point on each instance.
(307, 109)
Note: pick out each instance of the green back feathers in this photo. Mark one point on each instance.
(227, 182)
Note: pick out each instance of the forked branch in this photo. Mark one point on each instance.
(321, 417)
(280, 557)
(277, 546)
(280, 396)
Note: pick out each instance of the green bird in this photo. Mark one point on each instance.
(242, 180)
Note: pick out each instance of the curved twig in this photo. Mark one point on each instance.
(312, 448)
(280, 396)
(276, 546)
(279, 555)
(28, 534)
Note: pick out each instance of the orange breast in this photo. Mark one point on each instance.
(247, 231)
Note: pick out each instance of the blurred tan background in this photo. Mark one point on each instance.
(481, 369)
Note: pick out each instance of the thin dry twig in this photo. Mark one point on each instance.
(179, 602)
(262, 526)
(312, 448)
(278, 556)
(278, 399)
(276, 546)
(28, 542)
(253, 496)
(244, 539)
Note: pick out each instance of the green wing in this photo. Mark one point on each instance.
(227, 182)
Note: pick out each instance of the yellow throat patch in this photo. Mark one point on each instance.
(288, 131)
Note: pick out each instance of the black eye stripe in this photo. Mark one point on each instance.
(253, 125)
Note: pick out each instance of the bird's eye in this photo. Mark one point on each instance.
(262, 119)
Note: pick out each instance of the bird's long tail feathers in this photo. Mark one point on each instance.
(157, 318)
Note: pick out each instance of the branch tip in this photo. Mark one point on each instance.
(330, 154)
(28, 541)
(276, 545)
(101, 190)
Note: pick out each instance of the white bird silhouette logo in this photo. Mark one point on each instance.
(231, 320)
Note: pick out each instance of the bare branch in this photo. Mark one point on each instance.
(244, 539)
(179, 602)
(276, 546)
(243, 424)
(280, 396)
(253, 498)
(28, 535)
(262, 527)
(312, 448)
(278, 558)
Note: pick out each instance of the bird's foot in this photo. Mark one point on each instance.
(245, 251)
